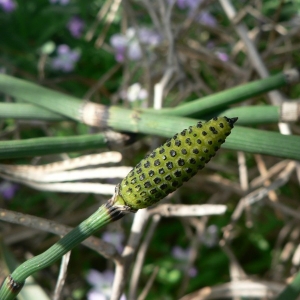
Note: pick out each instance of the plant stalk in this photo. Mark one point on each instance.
(106, 213)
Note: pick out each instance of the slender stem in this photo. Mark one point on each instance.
(248, 115)
(50, 145)
(30, 92)
(105, 214)
(252, 115)
(72, 107)
(208, 104)
(241, 138)
(27, 111)
(149, 123)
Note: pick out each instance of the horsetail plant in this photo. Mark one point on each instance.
(158, 174)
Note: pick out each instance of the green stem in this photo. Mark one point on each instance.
(209, 104)
(253, 115)
(72, 107)
(241, 138)
(40, 96)
(51, 145)
(27, 111)
(248, 115)
(13, 283)
(121, 119)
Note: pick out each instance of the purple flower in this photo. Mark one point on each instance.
(222, 56)
(115, 238)
(119, 43)
(76, 26)
(190, 4)
(202, 17)
(134, 51)
(8, 189)
(61, 2)
(180, 253)
(129, 44)
(181, 4)
(183, 255)
(206, 18)
(101, 285)
(149, 37)
(66, 58)
(8, 5)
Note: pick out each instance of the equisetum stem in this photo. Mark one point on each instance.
(106, 213)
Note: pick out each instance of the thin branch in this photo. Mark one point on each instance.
(180, 210)
(95, 173)
(103, 248)
(122, 267)
(149, 284)
(140, 258)
(68, 164)
(62, 276)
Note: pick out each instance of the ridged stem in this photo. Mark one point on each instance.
(73, 107)
(253, 115)
(248, 115)
(208, 104)
(105, 214)
(41, 96)
(51, 145)
(121, 119)
(27, 111)
(241, 138)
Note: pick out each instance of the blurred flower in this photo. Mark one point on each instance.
(180, 253)
(8, 5)
(181, 4)
(206, 18)
(61, 2)
(134, 92)
(115, 238)
(149, 37)
(119, 43)
(183, 255)
(190, 4)
(129, 44)
(203, 16)
(76, 26)
(134, 50)
(8, 189)
(101, 285)
(210, 236)
(222, 56)
(65, 59)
